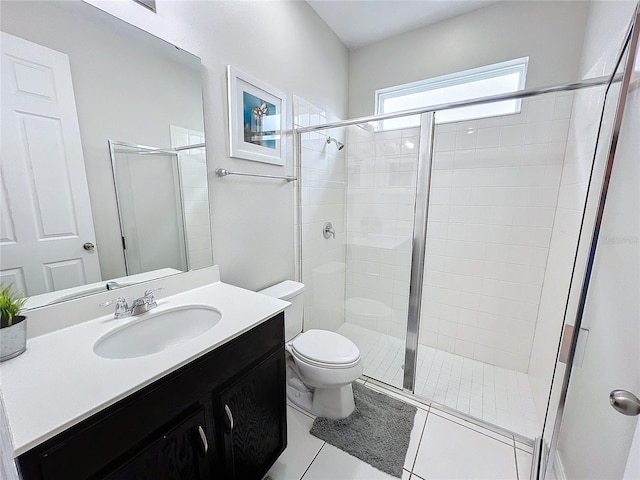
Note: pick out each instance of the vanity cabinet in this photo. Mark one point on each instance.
(221, 416)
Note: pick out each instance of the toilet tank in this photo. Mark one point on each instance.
(291, 292)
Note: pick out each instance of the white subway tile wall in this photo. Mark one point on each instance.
(195, 196)
(322, 177)
(493, 200)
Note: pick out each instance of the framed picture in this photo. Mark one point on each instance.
(256, 119)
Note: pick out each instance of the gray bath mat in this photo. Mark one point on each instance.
(377, 432)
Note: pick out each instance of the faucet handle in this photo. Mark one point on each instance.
(122, 308)
(148, 295)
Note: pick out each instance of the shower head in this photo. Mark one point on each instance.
(340, 145)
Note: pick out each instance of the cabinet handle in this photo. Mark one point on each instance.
(203, 438)
(230, 417)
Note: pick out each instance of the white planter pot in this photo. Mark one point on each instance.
(13, 339)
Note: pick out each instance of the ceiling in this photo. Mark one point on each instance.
(362, 22)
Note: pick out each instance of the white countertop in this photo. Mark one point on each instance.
(59, 381)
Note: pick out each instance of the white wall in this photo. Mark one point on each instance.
(549, 32)
(284, 44)
(115, 98)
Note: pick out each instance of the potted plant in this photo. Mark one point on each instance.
(13, 326)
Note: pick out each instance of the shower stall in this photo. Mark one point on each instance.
(460, 247)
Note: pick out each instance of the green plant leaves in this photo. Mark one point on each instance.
(11, 302)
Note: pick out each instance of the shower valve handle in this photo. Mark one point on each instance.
(328, 231)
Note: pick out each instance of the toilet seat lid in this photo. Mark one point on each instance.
(325, 347)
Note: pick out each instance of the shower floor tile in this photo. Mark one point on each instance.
(494, 394)
(382, 355)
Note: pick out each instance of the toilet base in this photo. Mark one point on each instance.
(324, 402)
(333, 402)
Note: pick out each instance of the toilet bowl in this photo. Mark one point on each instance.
(321, 365)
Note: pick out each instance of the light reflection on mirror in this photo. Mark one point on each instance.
(73, 78)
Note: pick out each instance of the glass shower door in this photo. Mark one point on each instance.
(585, 435)
(380, 199)
(357, 282)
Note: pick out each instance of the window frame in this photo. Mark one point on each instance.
(518, 65)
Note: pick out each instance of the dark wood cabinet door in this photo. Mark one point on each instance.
(154, 434)
(179, 452)
(253, 411)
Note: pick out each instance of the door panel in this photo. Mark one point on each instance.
(49, 171)
(46, 212)
(64, 274)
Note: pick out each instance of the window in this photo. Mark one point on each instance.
(480, 82)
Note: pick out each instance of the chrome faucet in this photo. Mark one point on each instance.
(138, 306)
(144, 303)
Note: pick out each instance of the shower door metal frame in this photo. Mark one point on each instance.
(418, 247)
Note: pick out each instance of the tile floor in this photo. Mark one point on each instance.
(496, 395)
(441, 447)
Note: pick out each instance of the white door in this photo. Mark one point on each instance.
(45, 210)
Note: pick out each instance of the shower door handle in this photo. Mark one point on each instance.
(625, 402)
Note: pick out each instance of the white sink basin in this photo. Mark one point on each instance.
(156, 332)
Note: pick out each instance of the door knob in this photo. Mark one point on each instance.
(88, 246)
(625, 402)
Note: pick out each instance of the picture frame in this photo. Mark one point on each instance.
(257, 119)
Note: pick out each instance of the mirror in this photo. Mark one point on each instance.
(103, 153)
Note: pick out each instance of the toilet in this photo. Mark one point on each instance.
(321, 365)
